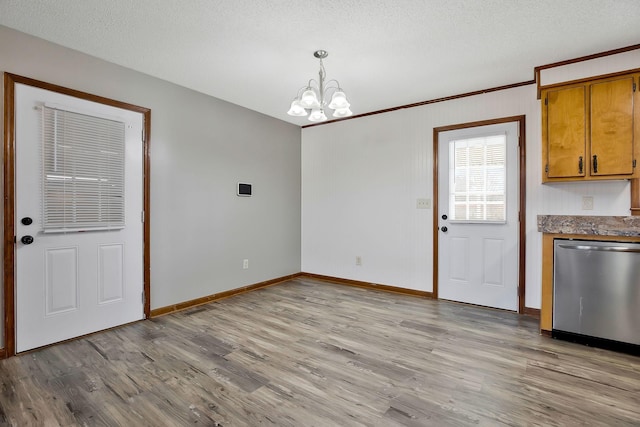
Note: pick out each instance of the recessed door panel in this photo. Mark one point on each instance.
(458, 265)
(110, 273)
(493, 257)
(61, 280)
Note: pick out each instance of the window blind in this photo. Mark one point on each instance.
(83, 172)
(478, 179)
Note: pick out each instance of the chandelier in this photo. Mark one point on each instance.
(312, 98)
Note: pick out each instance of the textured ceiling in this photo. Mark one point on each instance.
(385, 53)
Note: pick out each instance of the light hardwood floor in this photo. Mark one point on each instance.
(311, 353)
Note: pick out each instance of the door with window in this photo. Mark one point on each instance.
(78, 206)
(478, 208)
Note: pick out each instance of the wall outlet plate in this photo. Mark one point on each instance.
(423, 203)
(587, 203)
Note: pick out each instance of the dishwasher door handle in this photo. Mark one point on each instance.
(600, 248)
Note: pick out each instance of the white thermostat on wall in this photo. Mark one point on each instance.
(244, 189)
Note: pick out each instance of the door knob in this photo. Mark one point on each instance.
(444, 229)
(444, 217)
(26, 221)
(27, 240)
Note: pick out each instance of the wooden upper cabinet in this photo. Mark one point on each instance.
(590, 130)
(612, 127)
(566, 124)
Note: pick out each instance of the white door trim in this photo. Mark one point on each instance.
(521, 202)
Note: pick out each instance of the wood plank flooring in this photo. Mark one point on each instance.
(311, 353)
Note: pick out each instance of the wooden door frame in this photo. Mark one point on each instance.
(522, 199)
(10, 80)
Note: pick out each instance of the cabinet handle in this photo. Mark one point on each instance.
(595, 164)
(580, 165)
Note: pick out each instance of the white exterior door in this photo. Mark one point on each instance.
(478, 215)
(73, 281)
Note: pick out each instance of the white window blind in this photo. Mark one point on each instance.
(478, 179)
(83, 172)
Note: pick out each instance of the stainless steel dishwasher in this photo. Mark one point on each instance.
(596, 290)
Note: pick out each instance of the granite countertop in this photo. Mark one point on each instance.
(593, 225)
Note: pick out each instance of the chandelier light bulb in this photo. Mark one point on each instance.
(309, 99)
(317, 115)
(297, 109)
(342, 112)
(339, 100)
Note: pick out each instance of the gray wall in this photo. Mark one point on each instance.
(200, 148)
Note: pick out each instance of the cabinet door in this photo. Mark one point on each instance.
(612, 145)
(564, 125)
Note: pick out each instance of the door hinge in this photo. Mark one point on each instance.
(142, 217)
(634, 163)
(634, 86)
(546, 101)
(546, 168)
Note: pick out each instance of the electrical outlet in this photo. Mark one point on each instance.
(358, 260)
(587, 203)
(423, 203)
(245, 264)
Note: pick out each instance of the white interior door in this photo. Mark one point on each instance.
(73, 280)
(478, 215)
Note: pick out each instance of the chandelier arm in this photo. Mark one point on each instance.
(302, 89)
(308, 86)
(332, 86)
(337, 84)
